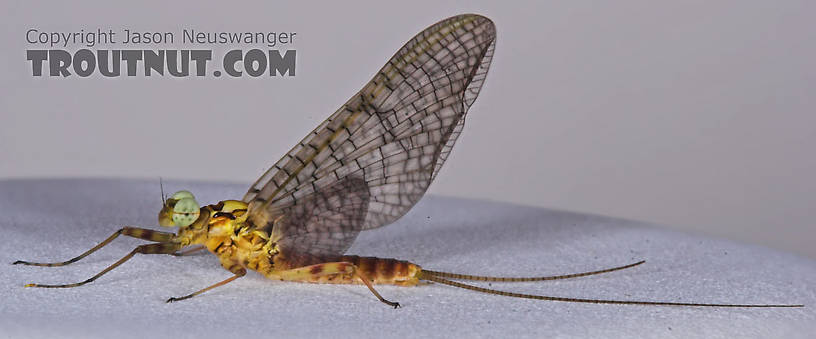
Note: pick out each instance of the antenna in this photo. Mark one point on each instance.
(161, 187)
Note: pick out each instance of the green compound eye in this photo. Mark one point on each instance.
(186, 210)
(182, 194)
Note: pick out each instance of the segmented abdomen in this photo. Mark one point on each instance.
(337, 269)
(383, 270)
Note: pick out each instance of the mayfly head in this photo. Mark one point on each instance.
(181, 209)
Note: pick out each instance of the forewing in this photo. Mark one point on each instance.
(395, 133)
(325, 222)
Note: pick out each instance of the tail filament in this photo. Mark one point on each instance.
(439, 277)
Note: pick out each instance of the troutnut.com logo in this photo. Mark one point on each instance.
(66, 54)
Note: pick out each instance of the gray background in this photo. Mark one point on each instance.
(697, 115)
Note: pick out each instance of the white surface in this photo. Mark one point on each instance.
(52, 220)
(696, 114)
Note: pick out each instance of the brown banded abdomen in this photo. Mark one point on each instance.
(383, 270)
(377, 270)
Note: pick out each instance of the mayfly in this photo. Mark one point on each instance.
(362, 168)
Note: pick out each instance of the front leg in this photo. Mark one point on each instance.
(160, 248)
(314, 273)
(135, 232)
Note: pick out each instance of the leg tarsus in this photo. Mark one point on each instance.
(238, 273)
(367, 282)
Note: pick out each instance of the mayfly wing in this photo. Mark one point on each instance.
(394, 134)
(325, 222)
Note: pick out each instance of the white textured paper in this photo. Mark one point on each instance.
(54, 220)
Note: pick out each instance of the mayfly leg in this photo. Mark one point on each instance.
(188, 251)
(140, 233)
(525, 279)
(160, 248)
(310, 273)
(367, 282)
(238, 271)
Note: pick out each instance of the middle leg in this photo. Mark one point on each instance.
(236, 270)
